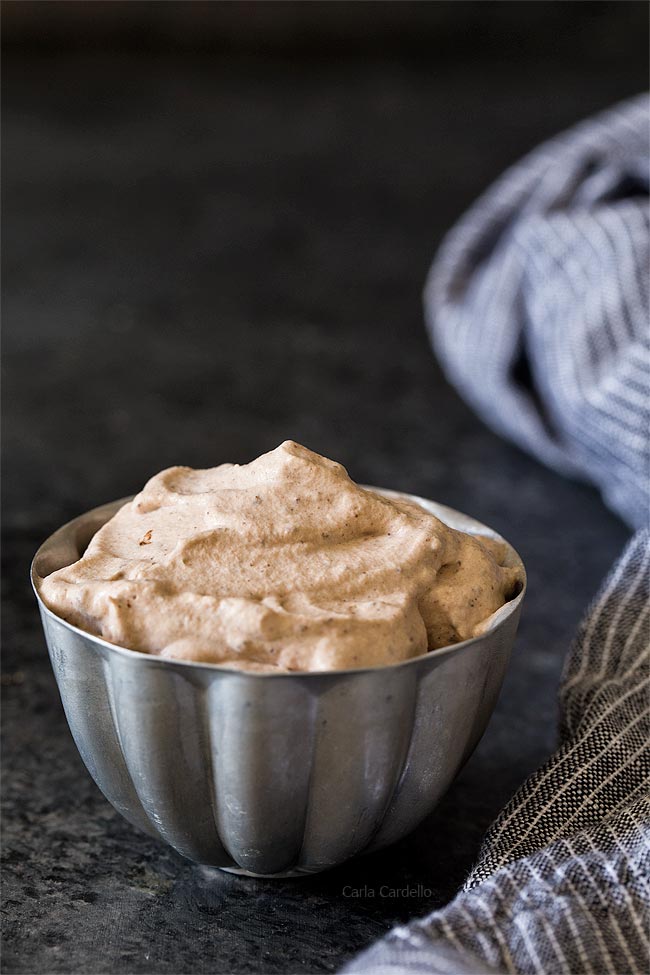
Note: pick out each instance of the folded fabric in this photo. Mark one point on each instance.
(538, 305)
(538, 309)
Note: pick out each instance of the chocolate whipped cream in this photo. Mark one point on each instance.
(280, 564)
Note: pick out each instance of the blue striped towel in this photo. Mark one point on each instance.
(538, 309)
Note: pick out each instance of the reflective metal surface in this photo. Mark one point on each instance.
(271, 774)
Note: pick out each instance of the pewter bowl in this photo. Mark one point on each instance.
(272, 774)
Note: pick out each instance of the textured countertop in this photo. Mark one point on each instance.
(202, 260)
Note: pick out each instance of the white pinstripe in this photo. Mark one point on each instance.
(503, 944)
(645, 941)
(520, 924)
(643, 618)
(567, 754)
(621, 609)
(570, 921)
(593, 885)
(595, 617)
(636, 720)
(607, 865)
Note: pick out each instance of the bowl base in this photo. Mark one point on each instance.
(210, 871)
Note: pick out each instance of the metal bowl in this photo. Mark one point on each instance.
(272, 774)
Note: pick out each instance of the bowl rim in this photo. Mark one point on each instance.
(502, 615)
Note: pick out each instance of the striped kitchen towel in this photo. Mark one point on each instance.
(538, 309)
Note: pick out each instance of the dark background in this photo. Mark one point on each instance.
(217, 223)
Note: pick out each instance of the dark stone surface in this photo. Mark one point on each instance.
(202, 259)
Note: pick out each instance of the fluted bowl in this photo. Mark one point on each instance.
(272, 774)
